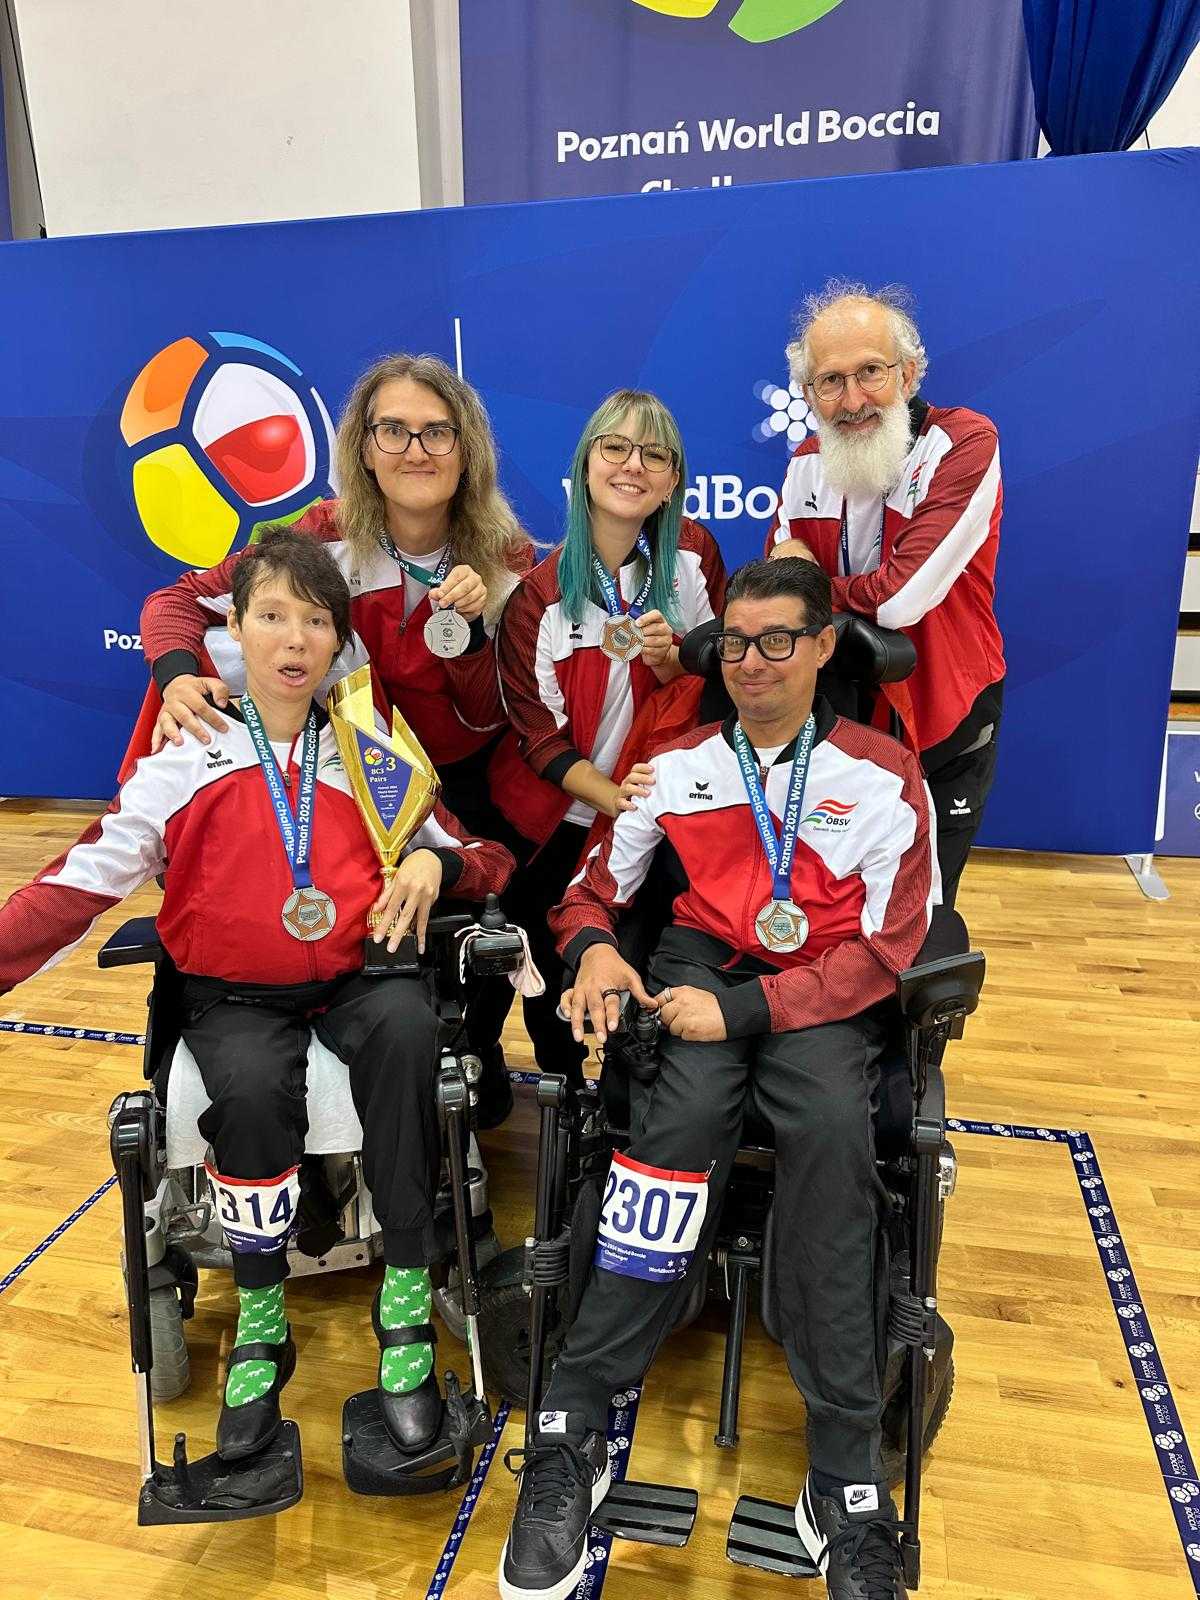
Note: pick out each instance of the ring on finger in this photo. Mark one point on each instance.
(665, 995)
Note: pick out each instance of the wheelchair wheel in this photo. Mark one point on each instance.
(504, 1337)
(170, 1374)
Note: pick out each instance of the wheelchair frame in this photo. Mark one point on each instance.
(210, 1490)
(935, 998)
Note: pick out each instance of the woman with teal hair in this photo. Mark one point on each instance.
(584, 642)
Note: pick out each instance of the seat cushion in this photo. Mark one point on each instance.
(333, 1125)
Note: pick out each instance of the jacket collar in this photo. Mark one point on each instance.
(825, 719)
(918, 410)
(235, 712)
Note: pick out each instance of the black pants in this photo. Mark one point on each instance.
(959, 772)
(537, 886)
(250, 1044)
(816, 1088)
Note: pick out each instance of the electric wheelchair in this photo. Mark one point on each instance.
(531, 1296)
(171, 1230)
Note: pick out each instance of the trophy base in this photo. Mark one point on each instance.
(380, 962)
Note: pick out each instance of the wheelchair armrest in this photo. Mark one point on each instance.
(134, 941)
(946, 990)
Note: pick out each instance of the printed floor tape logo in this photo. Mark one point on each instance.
(756, 21)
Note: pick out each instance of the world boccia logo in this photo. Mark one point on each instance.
(756, 21)
(224, 434)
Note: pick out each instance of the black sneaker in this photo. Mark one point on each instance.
(853, 1538)
(563, 1480)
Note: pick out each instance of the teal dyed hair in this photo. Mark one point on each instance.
(650, 419)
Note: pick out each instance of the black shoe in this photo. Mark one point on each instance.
(245, 1430)
(852, 1536)
(563, 1480)
(413, 1420)
(494, 1096)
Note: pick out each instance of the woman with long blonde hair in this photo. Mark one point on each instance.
(431, 549)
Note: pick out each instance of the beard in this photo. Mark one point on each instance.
(869, 465)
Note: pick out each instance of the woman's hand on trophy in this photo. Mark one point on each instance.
(408, 900)
(656, 632)
(463, 589)
(185, 707)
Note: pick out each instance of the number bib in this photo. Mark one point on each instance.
(256, 1214)
(650, 1220)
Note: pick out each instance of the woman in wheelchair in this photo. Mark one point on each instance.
(786, 939)
(269, 877)
(583, 642)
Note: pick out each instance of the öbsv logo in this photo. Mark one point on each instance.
(223, 434)
(756, 21)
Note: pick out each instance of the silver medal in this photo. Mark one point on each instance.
(308, 914)
(621, 639)
(781, 926)
(447, 634)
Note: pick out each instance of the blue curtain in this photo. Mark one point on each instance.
(1102, 68)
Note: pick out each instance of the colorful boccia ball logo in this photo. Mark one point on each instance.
(224, 434)
(372, 756)
(756, 21)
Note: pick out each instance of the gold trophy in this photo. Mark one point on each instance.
(394, 786)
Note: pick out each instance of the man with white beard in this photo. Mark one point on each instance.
(899, 501)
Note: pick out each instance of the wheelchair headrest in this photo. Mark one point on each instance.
(865, 653)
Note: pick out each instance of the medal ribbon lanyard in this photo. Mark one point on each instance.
(609, 590)
(779, 852)
(296, 832)
(422, 574)
(878, 544)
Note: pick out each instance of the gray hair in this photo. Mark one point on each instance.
(895, 299)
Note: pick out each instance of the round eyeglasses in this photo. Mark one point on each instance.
(616, 449)
(393, 438)
(777, 644)
(870, 378)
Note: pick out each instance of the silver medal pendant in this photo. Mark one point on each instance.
(308, 914)
(781, 927)
(447, 634)
(621, 639)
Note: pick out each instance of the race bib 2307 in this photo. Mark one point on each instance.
(650, 1220)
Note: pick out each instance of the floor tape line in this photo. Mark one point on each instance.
(1175, 1460)
(466, 1509)
(40, 1249)
(53, 1031)
(622, 1420)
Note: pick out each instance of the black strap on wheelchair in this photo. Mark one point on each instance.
(258, 1351)
(396, 1338)
(548, 1261)
(910, 1321)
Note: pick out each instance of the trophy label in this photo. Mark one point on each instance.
(387, 779)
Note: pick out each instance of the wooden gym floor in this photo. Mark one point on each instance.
(1044, 1483)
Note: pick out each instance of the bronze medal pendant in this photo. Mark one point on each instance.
(621, 639)
(447, 634)
(781, 927)
(309, 914)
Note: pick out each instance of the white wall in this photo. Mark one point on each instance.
(190, 113)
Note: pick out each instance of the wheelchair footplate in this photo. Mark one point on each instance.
(763, 1534)
(373, 1463)
(650, 1513)
(212, 1490)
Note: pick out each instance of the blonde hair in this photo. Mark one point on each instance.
(484, 531)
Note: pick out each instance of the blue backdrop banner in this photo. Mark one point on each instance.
(574, 97)
(1055, 296)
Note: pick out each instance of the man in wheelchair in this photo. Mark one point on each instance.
(269, 876)
(770, 983)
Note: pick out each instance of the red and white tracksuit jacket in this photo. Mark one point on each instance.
(453, 707)
(864, 871)
(935, 578)
(202, 814)
(566, 699)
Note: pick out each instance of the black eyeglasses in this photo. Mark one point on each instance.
(617, 449)
(869, 378)
(777, 644)
(393, 438)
